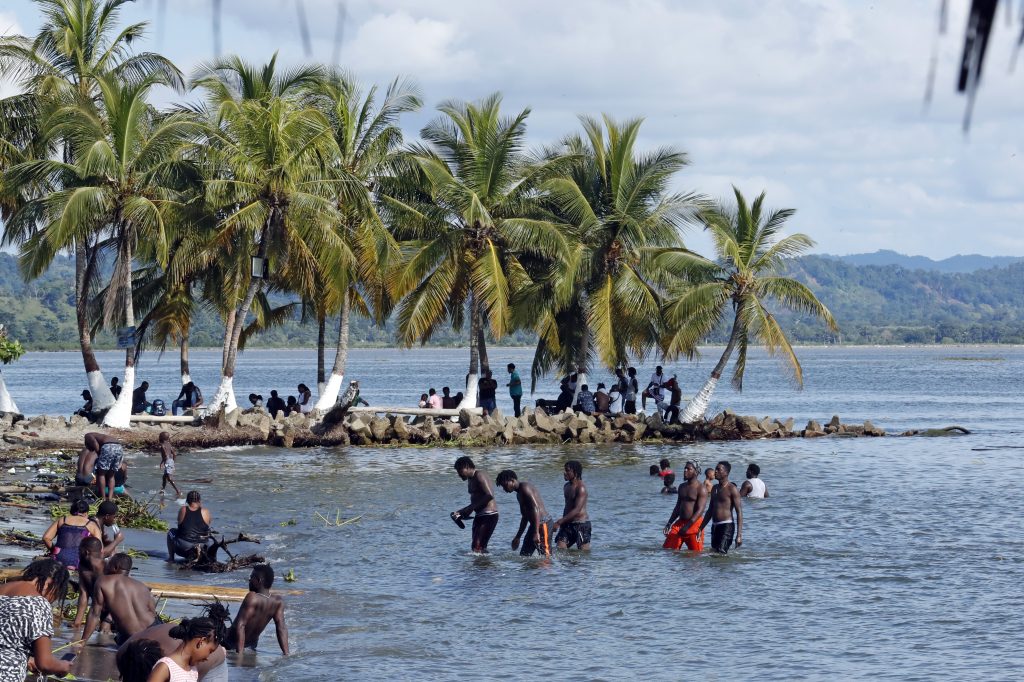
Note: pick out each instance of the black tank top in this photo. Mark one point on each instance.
(193, 528)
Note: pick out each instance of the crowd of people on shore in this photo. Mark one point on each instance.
(715, 501)
(86, 548)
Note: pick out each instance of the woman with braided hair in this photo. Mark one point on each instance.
(26, 621)
(137, 657)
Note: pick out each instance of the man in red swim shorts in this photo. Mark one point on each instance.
(683, 526)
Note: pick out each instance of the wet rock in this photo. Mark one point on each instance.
(812, 425)
(400, 428)
(449, 430)
(748, 426)
(360, 427)
(468, 419)
(379, 429)
(835, 422)
(872, 430)
(11, 439)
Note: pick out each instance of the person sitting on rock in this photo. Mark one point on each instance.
(139, 402)
(275, 404)
(448, 401)
(189, 398)
(602, 400)
(434, 400)
(305, 399)
(292, 406)
(585, 400)
(565, 397)
(86, 409)
(424, 401)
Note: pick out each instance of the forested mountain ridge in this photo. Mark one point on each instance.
(958, 263)
(873, 304)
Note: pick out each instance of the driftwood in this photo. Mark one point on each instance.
(204, 557)
(947, 431)
(427, 412)
(165, 419)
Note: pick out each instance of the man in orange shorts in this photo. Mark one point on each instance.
(683, 526)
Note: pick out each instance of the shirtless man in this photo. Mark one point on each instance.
(481, 503)
(209, 669)
(106, 514)
(574, 526)
(129, 602)
(709, 480)
(257, 610)
(724, 500)
(754, 486)
(684, 524)
(533, 513)
(85, 469)
(109, 455)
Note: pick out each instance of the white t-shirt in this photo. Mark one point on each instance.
(757, 488)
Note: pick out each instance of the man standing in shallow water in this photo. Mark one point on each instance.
(684, 524)
(481, 504)
(725, 498)
(538, 536)
(574, 526)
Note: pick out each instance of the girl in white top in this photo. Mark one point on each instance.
(199, 637)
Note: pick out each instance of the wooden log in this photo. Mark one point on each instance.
(165, 419)
(426, 412)
(176, 590)
(30, 488)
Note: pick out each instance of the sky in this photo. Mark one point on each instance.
(817, 102)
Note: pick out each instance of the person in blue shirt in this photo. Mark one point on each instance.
(515, 387)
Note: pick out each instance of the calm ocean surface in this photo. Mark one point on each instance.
(880, 558)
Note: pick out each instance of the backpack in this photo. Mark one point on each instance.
(157, 408)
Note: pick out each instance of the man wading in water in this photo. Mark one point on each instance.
(574, 526)
(481, 504)
(257, 610)
(684, 525)
(724, 499)
(538, 537)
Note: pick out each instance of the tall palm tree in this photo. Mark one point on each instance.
(10, 350)
(476, 214)
(603, 298)
(368, 140)
(78, 42)
(126, 182)
(748, 257)
(274, 192)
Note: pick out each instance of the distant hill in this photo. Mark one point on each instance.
(969, 263)
(875, 304)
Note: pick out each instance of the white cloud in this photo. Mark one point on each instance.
(817, 101)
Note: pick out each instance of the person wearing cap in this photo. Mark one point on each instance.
(112, 536)
(86, 409)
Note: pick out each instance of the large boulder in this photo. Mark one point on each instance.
(448, 430)
(360, 426)
(872, 430)
(543, 422)
(400, 428)
(379, 428)
(468, 419)
(749, 426)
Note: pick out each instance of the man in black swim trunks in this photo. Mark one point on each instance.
(481, 503)
(574, 526)
(534, 515)
(725, 498)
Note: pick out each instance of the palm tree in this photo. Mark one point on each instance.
(603, 297)
(10, 350)
(78, 42)
(274, 190)
(749, 256)
(126, 182)
(476, 214)
(368, 139)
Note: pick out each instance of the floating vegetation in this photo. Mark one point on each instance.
(338, 521)
(290, 577)
(971, 358)
(289, 522)
(130, 513)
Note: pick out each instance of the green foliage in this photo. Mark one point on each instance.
(130, 513)
(10, 350)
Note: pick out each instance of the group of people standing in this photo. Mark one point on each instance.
(716, 501)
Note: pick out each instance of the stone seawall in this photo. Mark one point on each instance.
(253, 427)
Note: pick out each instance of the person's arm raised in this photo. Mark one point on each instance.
(281, 628)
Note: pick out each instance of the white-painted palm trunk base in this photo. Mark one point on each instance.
(120, 415)
(6, 401)
(224, 397)
(469, 399)
(696, 408)
(329, 393)
(102, 398)
(581, 379)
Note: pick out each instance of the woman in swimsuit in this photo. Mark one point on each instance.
(66, 533)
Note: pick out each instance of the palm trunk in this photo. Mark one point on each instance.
(102, 398)
(229, 325)
(473, 378)
(119, 416)
(6, 401)
(329, 394)
(186, 375)
(481, 343)
(320, 343)
(582, 355)
(696, 408)
(225, 396)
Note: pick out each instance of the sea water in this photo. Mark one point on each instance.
(895, 558)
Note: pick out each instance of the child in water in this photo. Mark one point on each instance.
(199, 637)
(167, 455)
(669, 484)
